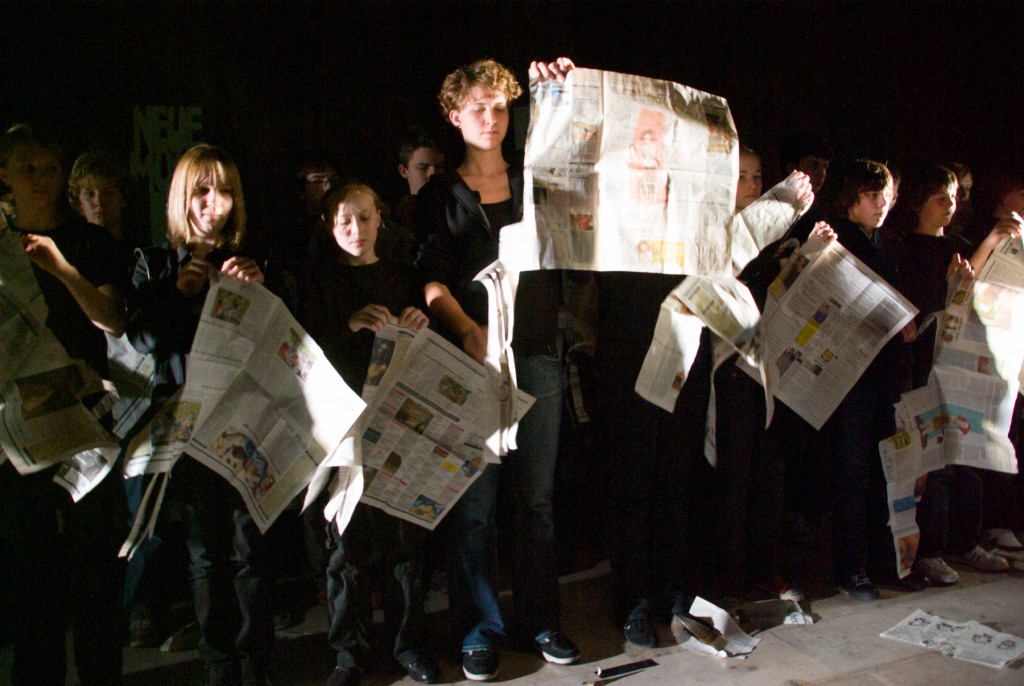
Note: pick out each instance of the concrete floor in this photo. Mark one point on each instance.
(843, 646)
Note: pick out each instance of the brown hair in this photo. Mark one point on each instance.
(200, 163)
(460, 83)
(861, 176)
(97, 165)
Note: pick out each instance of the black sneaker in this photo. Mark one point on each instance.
(480, 665)
(422, 669)
(558, 648)
(859, 586)
(639, 629)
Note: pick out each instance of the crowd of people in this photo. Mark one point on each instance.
(352, 265)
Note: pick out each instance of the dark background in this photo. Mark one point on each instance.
(937, 80)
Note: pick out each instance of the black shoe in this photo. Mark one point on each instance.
(423, 669)
(558, 648)
(345, 676)
(480, 665)
(859, 586)
(639, 629)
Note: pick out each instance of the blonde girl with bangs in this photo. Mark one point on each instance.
(230, 582)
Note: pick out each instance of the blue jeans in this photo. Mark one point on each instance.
(230, 581)
(529, 475)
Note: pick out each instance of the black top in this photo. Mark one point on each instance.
(460, 241)
(92, 251)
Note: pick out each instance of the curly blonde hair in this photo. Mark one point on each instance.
(459, 85)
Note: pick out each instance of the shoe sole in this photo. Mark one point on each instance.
(479, 677)
(559, 660)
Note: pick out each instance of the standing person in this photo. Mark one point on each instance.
(462, 214)
(864, 417)
(58, 558)
(949, 514)
(419, 158)
(230, 586)
(349, 295)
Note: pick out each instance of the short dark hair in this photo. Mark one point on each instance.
(861, 176)
(922, 181)
(415, 137)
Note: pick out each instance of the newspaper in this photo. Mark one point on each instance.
(50, 404)
(828, 315)
(710, 630)
(271, 407)
(670, 355)
(629, 173)
(423, 436)
(969, 641)
(132, 375)
(962, 415)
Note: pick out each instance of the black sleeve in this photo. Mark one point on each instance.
(160, 319)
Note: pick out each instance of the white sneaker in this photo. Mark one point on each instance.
(1002, 539)
(982, 560)
(936, 571)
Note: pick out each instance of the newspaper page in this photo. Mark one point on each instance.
(389, 347)
(831, 317)
(272, 408)
(423, 435)
(49, 403)
(1006, 264)
(132, 375)
(962, 415)
(671, 354)
(662, 158)
(970, 641)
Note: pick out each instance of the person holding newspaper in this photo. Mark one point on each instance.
(349, 294)
(462, 213)
(230, 583)
(58, 558)
(949, 514)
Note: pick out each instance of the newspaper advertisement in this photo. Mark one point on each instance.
(831, 317)
(49, 403)
(970, 641)
(630, 173)
(271, 407)
(423, 435)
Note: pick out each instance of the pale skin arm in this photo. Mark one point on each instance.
(192, 277)
(101, 305)
(1010, 226)
(443, 305)
(375, 317)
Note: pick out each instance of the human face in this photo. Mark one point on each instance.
(100, 201)
(423, 163)
(871, 208)
(483, 119)
(316, 182)
(748, 188)
(355, 228)
(1014, 201)
(209, 208)
(816, 168)
(35, 177)
(937, 211)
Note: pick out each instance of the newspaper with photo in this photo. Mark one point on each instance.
(423, 435)
(50, 404)
(630, 173)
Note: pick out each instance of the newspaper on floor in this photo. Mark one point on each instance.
(50, 404)
(763, 615)
(423, 436)
(969, 641)
(629, 173)
(712, 631)
(962, 415)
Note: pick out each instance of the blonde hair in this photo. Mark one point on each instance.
(199, 163)
(460, 83)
